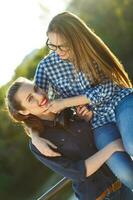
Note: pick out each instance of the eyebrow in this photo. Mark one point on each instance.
(28, 97)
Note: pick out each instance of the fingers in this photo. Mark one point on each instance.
(43, 145)
(118, 141)
(88, 116)
(51, 144)
(78, 109)
(84, 113)
(118, 145)
(81, 109)
(52, 153)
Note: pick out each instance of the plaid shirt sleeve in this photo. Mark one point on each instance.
(41, 78)
(100, 93)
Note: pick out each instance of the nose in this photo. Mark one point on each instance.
(58, 51)
(37, 96)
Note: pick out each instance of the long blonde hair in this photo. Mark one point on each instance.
(87, 47)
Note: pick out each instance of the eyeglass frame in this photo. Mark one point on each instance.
(56, 46)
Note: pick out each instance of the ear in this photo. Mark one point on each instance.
(24, 112)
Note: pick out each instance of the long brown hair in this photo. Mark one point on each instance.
(87, 47)
(13, 106)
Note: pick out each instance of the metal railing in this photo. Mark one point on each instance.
(53, 190)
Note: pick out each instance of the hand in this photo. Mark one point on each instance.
(56, 106)
(84, 113)
(117, 145)
(43, 146)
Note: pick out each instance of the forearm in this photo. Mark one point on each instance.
(98, 159)
(75, 101)
(34, 136)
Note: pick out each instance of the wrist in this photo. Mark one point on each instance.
(75, 101)
(34, 136)
(112, 148)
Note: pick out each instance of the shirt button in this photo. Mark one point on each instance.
(62, 139)
(79, 130)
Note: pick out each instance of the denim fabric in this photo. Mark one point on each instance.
(124, 119)
(120, 162)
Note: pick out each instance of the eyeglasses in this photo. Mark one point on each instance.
(55, 47)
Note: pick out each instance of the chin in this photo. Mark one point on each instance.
(64, 57)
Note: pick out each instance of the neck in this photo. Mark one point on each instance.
(50, 116)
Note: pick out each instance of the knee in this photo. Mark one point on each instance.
(127, 179)
(129, 148)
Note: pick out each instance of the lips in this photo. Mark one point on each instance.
(62, 55)
(43, 102)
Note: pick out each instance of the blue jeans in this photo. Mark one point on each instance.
(120, 163)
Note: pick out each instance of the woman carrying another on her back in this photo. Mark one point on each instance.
(83, 70)
(77, 158)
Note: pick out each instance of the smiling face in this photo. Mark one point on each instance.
(60, 44)
(33, 99)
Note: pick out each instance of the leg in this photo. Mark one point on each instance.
(120, 163)
(124, 121)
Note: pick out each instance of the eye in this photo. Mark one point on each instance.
(30, 99)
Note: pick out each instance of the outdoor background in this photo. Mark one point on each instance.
(22, 177)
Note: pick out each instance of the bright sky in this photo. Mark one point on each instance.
(23, 24)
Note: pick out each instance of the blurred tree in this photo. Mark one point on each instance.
(17, 180)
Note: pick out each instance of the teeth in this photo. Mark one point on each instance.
(44, 101)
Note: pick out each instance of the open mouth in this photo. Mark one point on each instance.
(62, 56)
(43, 102)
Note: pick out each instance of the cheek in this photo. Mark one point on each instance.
(67, 55)
(33, 107)
(35, 110)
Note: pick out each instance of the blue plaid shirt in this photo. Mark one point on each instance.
(53, 72)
